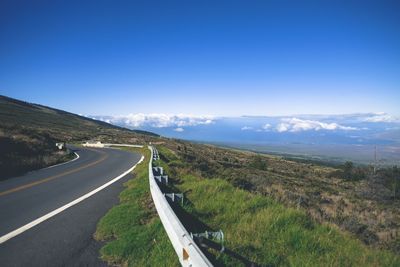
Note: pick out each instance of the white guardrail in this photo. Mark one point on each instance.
(100, 144)
(124, 145)
(188, 252)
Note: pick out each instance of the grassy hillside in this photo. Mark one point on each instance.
(355, 201)
(57, 123)
(23, 150)
(28, 133)
(259, 230)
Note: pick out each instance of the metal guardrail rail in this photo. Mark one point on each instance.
(100, 144)
(188, 252)
(124, 145)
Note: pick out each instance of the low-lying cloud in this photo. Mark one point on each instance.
(381, 117)
(180, 122)
(159, 120)
(246, 128)
(266, 127)
(297, 125)
(179, 129)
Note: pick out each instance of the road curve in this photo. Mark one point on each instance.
(66, 238)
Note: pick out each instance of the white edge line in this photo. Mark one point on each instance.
(59, 164)
(39, 220)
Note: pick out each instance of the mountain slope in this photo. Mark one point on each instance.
(28, 133)
(58, 123)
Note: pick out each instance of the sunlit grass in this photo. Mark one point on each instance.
(132, 230)
(256, 227)
(265, 231)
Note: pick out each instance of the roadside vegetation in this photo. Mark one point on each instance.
(24, 150)
(349, 197)
(258, 229)
(132, 231)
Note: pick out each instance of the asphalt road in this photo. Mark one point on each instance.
(65, 239)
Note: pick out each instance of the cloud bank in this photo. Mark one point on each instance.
(300, 123)
(297, 125)
(159, 120)
(381, 117)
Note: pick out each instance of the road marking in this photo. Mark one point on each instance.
(59, 164)
(25, 186)
(28, 226)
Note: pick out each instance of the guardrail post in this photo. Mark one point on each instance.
(188, 251)
(175, 196)
(218, 236)
(159, 170)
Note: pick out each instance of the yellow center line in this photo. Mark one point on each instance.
(22, 187)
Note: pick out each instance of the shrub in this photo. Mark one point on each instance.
(258, 162)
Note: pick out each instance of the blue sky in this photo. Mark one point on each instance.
(218, 58)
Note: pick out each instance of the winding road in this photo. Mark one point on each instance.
(48, 217)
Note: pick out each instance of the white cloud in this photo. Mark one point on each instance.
(159, 120)
(282, 127)
(297, 125)
(381, 117)
(246, 128)
(266, 126)
(179, 129)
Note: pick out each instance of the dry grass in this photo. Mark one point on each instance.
(364, 208)
(261, 230)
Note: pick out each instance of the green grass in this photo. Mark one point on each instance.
(265, 231)
(256, 227)
(132, 230)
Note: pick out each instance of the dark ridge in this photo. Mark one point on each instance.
(7, 117)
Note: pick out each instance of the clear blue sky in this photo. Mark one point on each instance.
(198, 57)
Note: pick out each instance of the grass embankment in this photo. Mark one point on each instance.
(29, 133)
(261, 230)
(363, 207)
(23, 152)
(133, 230)
(257, 228)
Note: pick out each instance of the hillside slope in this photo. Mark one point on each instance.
(58, 123)
(363, 204)
(28, 133)
(223, 189)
